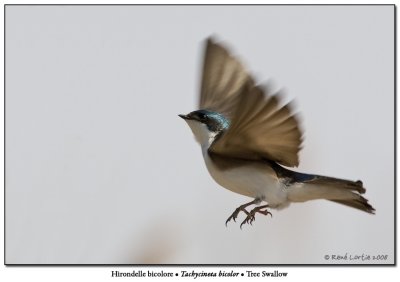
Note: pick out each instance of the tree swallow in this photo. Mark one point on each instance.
(248, 139)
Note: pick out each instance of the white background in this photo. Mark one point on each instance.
(90, 180)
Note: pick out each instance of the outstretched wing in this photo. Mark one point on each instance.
(260, 129)
(223, 80)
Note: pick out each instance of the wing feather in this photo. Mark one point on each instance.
(260, 127)
(222, 80)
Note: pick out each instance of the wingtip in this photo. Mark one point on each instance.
(210, 40)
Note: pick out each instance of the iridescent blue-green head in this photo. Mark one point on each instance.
(206, 125)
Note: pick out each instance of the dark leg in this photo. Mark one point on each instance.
(251, 216)
(243, 209)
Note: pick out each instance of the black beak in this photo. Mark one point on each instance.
(184, 116)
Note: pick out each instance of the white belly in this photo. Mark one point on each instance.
(256, 182)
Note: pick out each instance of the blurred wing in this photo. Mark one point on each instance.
(223, 80)
(261, 129)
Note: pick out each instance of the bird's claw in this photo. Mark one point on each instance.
(251, 216)
(249, 219)
(235, 214)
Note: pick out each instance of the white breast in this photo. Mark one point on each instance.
(252, 181)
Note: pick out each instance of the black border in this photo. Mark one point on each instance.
(213, 265)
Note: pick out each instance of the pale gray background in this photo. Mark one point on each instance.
(100, 169)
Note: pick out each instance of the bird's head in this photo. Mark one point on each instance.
(206, 125)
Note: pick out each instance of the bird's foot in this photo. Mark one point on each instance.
(251, 216)
(239, 209)
(235, 214)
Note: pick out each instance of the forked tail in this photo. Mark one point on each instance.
(340, 191)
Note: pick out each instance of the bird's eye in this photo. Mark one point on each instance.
(202, 116)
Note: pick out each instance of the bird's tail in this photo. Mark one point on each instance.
(340, 191)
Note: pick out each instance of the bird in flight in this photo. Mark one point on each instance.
(248, 139)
